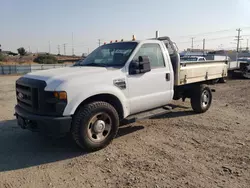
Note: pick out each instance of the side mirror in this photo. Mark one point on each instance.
(140, 66)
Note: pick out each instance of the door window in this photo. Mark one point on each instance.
(154, 53)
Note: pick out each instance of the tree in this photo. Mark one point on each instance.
(21, 51)
(46, 59)
(2, 57)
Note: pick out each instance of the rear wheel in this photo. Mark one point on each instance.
(95, 125)
(201, 99)
(246, 72)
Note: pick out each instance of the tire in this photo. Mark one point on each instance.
(246, 72)
(95, 125)
(199, 103)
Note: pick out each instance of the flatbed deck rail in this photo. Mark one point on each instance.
(191, 72)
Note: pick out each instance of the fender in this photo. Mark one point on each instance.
(75, 101)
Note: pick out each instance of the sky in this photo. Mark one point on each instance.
(38, 25)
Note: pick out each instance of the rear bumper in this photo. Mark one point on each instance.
(51, 126)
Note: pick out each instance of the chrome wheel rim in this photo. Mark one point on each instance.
(205, 99)
(99, 127)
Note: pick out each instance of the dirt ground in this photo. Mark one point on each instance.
(179, 149)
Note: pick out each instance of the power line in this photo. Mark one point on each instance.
(207, 39)
(207, 33)
(211, 32)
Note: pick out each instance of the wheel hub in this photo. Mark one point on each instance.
(205, 98)
(99, 126)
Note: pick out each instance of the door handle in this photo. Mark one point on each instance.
(167, 76)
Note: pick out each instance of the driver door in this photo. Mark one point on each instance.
(151, 89)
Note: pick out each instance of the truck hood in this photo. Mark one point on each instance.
(56, 76)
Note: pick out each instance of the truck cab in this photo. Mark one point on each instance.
(114, 82)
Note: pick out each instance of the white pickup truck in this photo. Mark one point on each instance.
(117, 80)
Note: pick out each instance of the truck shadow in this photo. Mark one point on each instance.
(22, 149)
(174, 114)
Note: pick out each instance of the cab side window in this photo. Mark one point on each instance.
(154, 53)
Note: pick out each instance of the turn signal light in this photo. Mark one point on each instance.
(62, 95)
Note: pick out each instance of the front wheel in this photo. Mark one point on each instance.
(201, 99)
(95, 125)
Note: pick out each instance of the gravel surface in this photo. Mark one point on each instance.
(178, 149)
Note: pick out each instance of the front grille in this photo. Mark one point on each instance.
(30, 94)
(24, 95)
(32, 97)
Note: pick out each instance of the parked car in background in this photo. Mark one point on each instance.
(193, 58)
(244, 66)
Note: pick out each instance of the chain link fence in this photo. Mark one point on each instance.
(23, 69)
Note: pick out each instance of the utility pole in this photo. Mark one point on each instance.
(64, 46)
(49, 46)
(58, 47)
(72, 44)
(204, 43)
(238, 38)
(192, 45)
(99, 42)
(247, 45)
(29, 49)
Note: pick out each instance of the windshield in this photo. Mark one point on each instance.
(109, 55)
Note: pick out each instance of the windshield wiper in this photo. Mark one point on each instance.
(93, 64)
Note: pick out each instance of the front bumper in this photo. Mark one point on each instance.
(51, 126)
